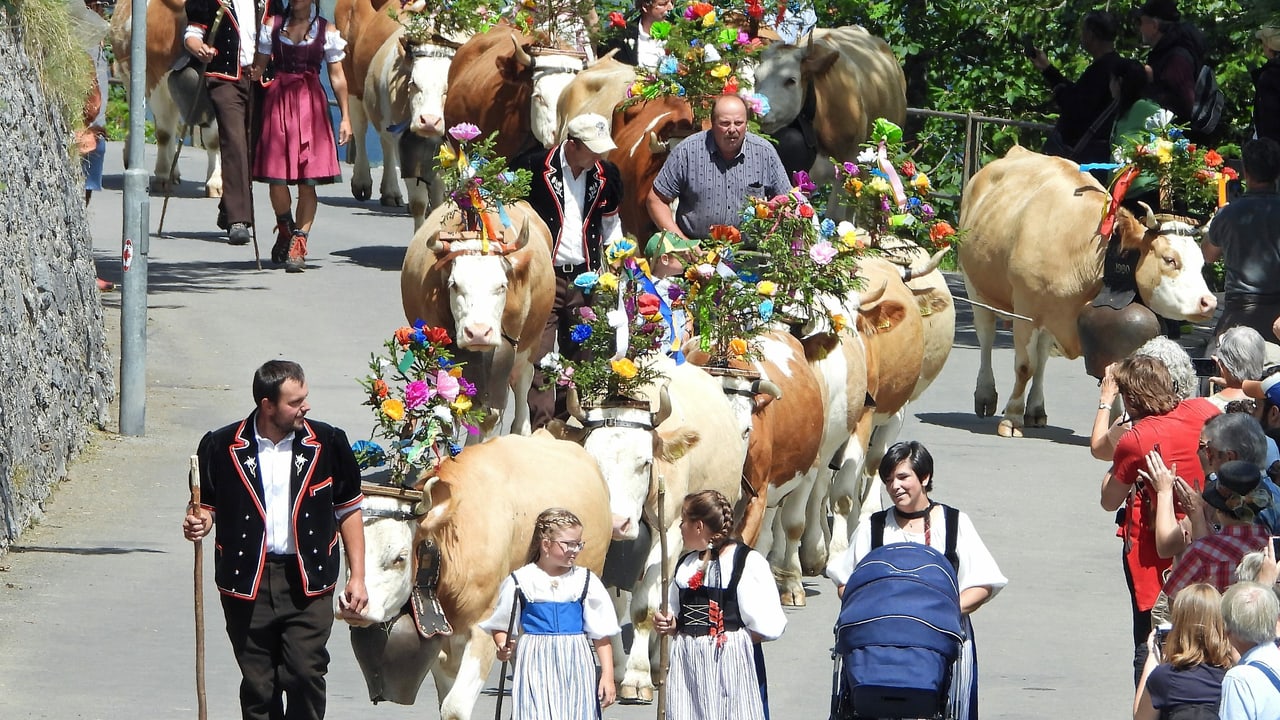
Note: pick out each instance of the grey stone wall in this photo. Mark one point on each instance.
(55, 373)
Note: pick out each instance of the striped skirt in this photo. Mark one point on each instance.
(962, 701)
(706, 683)
(555, 679)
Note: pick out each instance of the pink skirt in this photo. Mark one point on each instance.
(297, 143)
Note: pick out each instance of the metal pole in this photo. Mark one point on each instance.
(135, 243)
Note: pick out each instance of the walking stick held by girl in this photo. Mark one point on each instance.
(563, 611)
(664, 659)
(193, 477)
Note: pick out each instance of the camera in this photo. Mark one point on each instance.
(1162, 634)
(1028, 47)
(1275, 545)
(1204, 367)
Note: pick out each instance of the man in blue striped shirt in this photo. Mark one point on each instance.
(713, 172)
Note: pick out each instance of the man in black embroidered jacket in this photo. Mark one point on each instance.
(228, 52)
(282, 489)
(577, 193)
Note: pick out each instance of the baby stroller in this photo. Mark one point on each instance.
(898, 634)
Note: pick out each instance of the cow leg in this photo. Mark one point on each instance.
(1025, 340)
(391, 195)
(637, 679)
(357, 153)
(816, 534)
(213, 152)
(985, 396)
(477, 653)
(754, 507)
(521, 381)
(848, 486)
(425, 195)
(1035, 415)
(787, 572)
(165, 112)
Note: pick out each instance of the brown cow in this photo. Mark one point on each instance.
(494, 303)
(481, 522)
(504, 84)
(643, 133)
(166, 23)
(1033, 249)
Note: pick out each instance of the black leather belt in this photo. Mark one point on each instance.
(571, 270)
(281, 558)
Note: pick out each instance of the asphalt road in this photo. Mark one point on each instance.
(96, 613)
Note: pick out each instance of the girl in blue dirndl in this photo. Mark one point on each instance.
(563, 611)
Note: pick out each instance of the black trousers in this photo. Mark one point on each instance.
(233, 105)
(279, 642)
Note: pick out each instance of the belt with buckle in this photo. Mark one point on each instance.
(571, 270)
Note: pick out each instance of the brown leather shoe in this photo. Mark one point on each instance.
(297, 259)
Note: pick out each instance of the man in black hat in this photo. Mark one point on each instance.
(1177, 53)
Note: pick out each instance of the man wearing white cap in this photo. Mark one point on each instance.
(577, 193)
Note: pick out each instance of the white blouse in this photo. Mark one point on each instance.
(758, 602)
(599, 619)
(335, 48)
(977, 567)
(649, 52)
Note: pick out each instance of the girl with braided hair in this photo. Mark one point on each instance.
(723, 604)
(563, 611)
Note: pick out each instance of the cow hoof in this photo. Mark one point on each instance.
(213, 191)
(793, 598)
(391, 201)
(1008, 430)
(361, 193)
(646, 695)
(984, 405)
(632, 695)
(1035, 418)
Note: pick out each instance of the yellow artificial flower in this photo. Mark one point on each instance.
(767, 288)
(446, 157)
(720, 71)
(853, 186)
(921, 183)
(851, 240)
(607, 281)
(737, 347)
(393, 408)
(624, 367)
(1164, 151)
(838, 322)
(879, 185)
(709, 19)
(762, 210)
(462, 404)
(455, 371)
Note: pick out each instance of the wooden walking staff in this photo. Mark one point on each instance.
(664, 603)
(201, 705)
(502, 673)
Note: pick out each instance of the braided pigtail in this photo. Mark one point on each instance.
(548, 523)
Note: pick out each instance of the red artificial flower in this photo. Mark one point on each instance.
(755, 9)
(806, 211)
(731, 86)
(1191, 147)
(701, 8)
(1231, 174)
(648, 304)
(617, 20)
(380, 388)
(939, 233)
(1212, 159)
(1204, 176)
(695, 581)
(909, 169)
(438, 336)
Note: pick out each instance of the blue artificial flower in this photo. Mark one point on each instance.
(419, 337)
(748, 277)
(586, 281)
(879, 173)
(695, 42)
(368, 454)
(1175, 133)
(827, 228)
(668, 66)
(913, 202)
(749, 214)
(580, 333)
(419, 324)
(680, 90)
(1182, 144)
(727, 255)
(454, 449)
(764, 105)
(766, 309)
(444, 363)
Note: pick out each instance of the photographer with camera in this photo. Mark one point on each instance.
(1083, 130)
(1185, 668)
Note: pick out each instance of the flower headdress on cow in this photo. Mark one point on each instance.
(619, 331)
(477, 180)
(552, 23)
(443, 22)
(421, 403)
(707, 46)
(889, 196)
(1191, 179)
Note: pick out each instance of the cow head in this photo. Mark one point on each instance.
(631, 444)
(477, 275)
(389, 525)
(1169, 266)
(553, 70)
(426, 65)
(644, 132)
(784, 74)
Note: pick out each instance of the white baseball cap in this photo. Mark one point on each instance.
(591, 130)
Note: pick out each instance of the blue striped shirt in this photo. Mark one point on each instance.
(712, 190)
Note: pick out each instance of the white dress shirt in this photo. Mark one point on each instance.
(570, 249)
(274, 460)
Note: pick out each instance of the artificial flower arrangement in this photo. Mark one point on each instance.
(704, 56)
(448, 19)
(421, 403)
(547, 21)
(476, 179)
(731, 305)
(889, 194)
(1187, 173)
(619, 331)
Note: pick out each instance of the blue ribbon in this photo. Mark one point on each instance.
(1090, 167)
(502, 214)
(664, 309)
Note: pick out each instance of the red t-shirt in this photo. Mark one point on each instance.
(1178, 435)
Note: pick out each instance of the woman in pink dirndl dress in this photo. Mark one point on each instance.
(296, 144)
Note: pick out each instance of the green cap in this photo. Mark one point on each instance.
(665, 242)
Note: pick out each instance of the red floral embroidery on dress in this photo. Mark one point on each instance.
(717, 623)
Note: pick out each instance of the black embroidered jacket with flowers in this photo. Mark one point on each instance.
(324, 479)
(603, 197)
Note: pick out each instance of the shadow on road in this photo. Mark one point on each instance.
(187, 276)
(379, 257)
(80, 550)
(987, 426)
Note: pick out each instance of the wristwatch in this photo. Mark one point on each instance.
(1104, 406)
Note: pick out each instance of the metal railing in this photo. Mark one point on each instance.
(973, 123)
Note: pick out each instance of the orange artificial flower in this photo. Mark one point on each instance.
(1212, 158)
(726, 234)
(380, 388)
(403, 335)
(738, 347)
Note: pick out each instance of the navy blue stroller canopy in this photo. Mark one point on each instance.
(898, 634)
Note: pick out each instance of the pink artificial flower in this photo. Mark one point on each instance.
(586, 313)
(447, 385)
(464, 131)
(417, 394)
(822, 253)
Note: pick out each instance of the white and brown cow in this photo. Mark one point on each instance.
(482, 506)
(1033, 248)
(493, 300)
(597, 89)
(166, 23)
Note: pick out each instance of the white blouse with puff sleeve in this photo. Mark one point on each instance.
(599, 618)
(335, 48)
(758, 602)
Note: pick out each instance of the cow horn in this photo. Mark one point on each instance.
(606, 56)
(1150, 218)
(574, 406)
(438, 246)
(664, 407)
(808, 46)
(522, 56)
(522, 239)
(423, 506)
(866, 300)
(656, 146)
(909, 274)
(766, 387)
